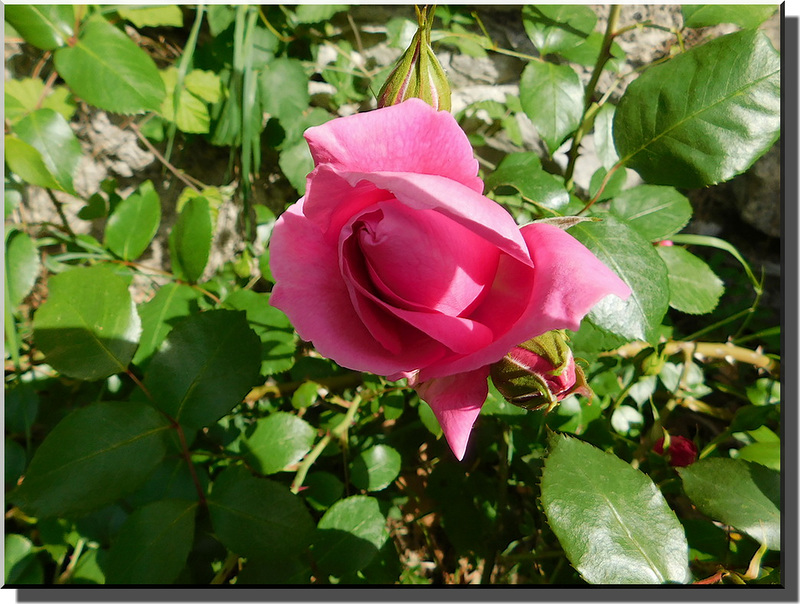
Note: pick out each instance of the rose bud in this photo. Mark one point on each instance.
(540, 372)
(418, 73)
(681, 451)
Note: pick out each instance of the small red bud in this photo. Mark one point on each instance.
(681, 451)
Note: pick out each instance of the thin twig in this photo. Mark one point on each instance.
(185, 178)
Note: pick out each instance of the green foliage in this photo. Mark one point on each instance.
(603, 510)
(702, 136)
(739, 493)
(88, 328)
(166, 425)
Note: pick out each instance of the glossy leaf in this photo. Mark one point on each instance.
(172, 301)
(134, 222)
(204, 368)
(258, 517)
(604, 135)
(746, 16)
(322, 490)
(272, 327)
(349, 535)
(190, 239)
(153, 544)
(93, 457)
(22, 266)
(654, 212)
(612, 521)
(693, 286)
(740, 493)
(108, 70)
(765, 453)
(376, 468)
(524, 172)
(704, 116)
(279, 440)
(27, 163)
(635, 261)
(555, 28)
(49, 133)
(88, 327)
(552, 97)
(45, 26)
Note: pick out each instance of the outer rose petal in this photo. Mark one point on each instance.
(310, 290)
(410, 137)
(456, 401)
(569, 280)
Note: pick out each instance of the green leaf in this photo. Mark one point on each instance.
(524, 172)
(22, 567)
(153, 16)
(171, 302)
(704, 116)
(272, 327)
(134, 222)
(108, 70)
(766, 453)
(204, 368)
(27, 163)
(693, 286)
(322, 490)
(93, 457)
(16, 459)
(554, 28)
(284, 89)
(153, 544)
(349, 535)
(279, 440)
(587, 52)
(21, 407)
(45, 26)
(22, 266)
(552, 97)
(305, 395)
(613, 185)
(258, 517)
(88, 327)
(635, 261)
(23, 96)
(655, 212)
(746, 16)
(204, 84)
(190, 239)
(743, 494)
(604, 136)
(376, 468)
(295, 162)
(49, 133)
(316, 13)
(192, 115)
(612, 521)
(171, 479)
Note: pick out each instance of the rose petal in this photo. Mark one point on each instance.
(570, 280)
(422, 259)
(476, 212)
(456, 401)
(310, 290)
(410, 137)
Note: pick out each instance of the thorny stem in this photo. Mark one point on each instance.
(230, 564)
(60, 210)
(278, 390)
(73, 561)
(602, 59)
(712, 350)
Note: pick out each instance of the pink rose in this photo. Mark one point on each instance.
(394, 262)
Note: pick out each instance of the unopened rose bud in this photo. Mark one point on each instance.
(681, 451)
(539, 373)
(418, 73)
